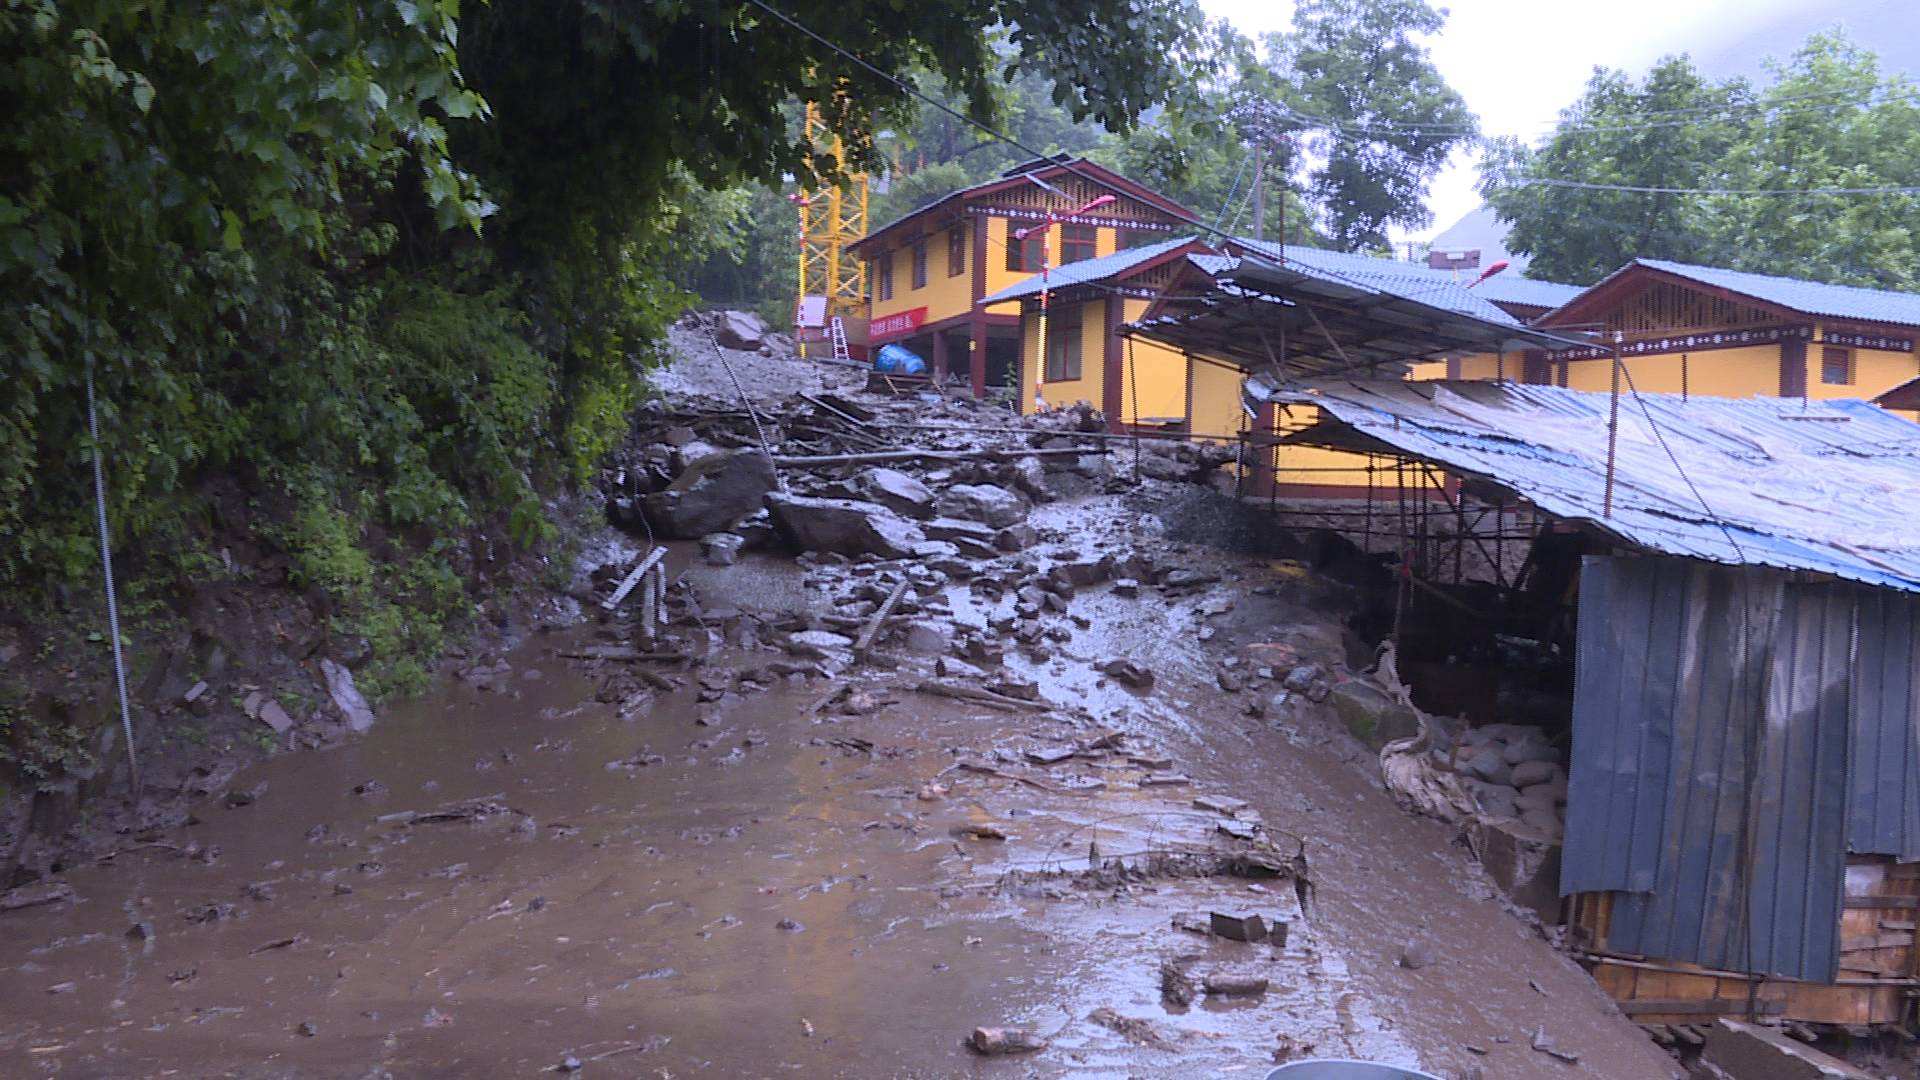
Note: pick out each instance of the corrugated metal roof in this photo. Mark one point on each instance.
(1810, 297)
(1503, 288)
(1831, 487)
(1087, 270)
(1332, 320)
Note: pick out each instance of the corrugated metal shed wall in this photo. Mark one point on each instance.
(1719, 713)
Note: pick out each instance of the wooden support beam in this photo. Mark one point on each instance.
(633, 578)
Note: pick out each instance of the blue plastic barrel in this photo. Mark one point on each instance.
(899, 360)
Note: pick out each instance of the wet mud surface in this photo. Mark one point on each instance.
(524, 880)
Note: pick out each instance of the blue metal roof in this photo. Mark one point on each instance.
(1503, 288)
(1087, 270)
(1831, 487)
(1810, 297)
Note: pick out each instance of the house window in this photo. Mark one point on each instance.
(1077, 243)
(1025, 256)
(1836, 366)
(956, 251)
(919, 264)
(1063, 344)
(883, 275)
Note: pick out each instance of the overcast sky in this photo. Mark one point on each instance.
(1519, 62)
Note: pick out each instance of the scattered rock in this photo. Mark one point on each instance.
(1416, 956)
(742, 331)
(346, 696)
(1004, 1040)
(995, 506)
(1128, 673)
(1247, 927)
(721, 548)
(896, 491)
(843, 526)
(711, 495)
(1224, 985)
(1372, 716)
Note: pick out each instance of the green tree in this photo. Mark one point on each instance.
(1671, 129)
(1831, 121)
(1381, 119)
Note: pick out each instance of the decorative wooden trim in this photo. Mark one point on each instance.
(1700, 342)
(1878, 342)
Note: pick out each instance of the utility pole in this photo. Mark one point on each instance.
(1260, 192)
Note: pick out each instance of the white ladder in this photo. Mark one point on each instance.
(837, 333)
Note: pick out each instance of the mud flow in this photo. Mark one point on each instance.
(552, 872)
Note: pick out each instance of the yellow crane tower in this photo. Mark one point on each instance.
(832, 283)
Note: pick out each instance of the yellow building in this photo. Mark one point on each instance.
(1685, 329)
(930, 270)
(1071, 349)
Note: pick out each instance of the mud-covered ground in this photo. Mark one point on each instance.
(518, 876)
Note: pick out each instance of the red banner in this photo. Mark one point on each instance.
(898, 324)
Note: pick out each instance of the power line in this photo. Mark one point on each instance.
(1584, 185)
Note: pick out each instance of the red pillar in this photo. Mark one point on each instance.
(977, 326)
(1113, 378)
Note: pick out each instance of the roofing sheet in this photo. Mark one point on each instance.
(1334, 319)
(1811, 297)
(1087, 270)
(1831, 487)
(1502, 288)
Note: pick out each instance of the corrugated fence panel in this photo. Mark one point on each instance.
(1718, 714)
(1884, 803)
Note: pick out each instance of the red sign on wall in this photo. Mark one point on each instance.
(897, 324)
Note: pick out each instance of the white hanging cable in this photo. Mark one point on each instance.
(106, 567)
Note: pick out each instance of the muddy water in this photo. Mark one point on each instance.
(729, 893)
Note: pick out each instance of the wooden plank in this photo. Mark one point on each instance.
(1697, 1006)
(1875, 941)
(1882, 903)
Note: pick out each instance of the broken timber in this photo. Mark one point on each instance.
(633, 578)
(878, 619)
(878, 457)
(977, 696)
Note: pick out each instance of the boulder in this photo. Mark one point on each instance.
(995, 506)
(346, 696)
(1372, 716)
(721, 549)
(945, 528)
(896, 491)
(1017, 537)
(713, 494)
(742, 330)
(843, 526)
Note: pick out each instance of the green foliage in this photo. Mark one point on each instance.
(394, 269)
(1827, 119)
(1384, 119)
(1619, 132)
(1351, 115)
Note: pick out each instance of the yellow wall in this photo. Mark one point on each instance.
(1742, 372)
(946, 297)
(1213, 409)
(1874, 373)
(1156, 383)
(1093, 327)
(1476, 366)
(1154, 377)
